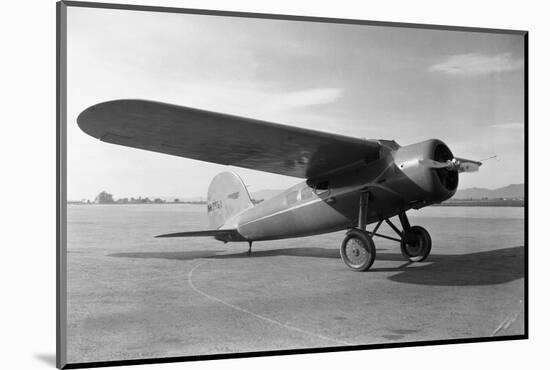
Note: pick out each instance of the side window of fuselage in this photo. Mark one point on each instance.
(306, 193)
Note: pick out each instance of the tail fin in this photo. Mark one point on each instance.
(226, 197)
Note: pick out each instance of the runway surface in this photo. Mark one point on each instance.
(132, 296)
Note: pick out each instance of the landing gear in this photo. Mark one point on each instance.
(416, 245)
(358, 250)
(249, 247)
(415, 241)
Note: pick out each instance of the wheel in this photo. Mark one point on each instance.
(358, 250)
(416, 244)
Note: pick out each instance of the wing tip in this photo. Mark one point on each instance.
(92, 120)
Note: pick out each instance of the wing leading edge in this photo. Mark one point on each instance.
(223, 139)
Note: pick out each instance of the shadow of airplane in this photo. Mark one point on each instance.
(480, 268)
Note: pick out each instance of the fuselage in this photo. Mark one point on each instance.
(396, 182)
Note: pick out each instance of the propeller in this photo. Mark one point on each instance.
(455, 164)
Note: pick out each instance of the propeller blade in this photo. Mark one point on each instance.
(467, 165)
(455, 164)
(433, 164)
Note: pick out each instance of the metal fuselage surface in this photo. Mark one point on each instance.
(395, 181)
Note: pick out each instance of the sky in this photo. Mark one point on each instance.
(372, 82)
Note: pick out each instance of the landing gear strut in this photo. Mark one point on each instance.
(416, 243)
(359, 252)
(249, 247)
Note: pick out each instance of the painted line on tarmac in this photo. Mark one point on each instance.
(244, 310)
(507, 322)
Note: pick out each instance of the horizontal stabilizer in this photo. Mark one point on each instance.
(220, 234)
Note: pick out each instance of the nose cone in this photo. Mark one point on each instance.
(430, 184)
(447, 178)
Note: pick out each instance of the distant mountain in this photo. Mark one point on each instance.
(510, 191)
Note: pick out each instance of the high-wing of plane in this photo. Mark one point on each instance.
(349, 183)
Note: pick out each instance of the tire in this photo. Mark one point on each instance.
(416, 244)
(358, 250)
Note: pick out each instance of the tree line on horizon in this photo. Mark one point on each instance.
(107, 198)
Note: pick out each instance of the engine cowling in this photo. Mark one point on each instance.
(420, 182)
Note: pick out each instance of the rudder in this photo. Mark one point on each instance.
(226, 197)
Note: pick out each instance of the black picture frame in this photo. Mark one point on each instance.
(61, 186)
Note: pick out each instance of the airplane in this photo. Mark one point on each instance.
(348, 183)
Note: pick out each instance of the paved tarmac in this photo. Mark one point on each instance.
(135, 297)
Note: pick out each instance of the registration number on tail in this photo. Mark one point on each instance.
(217, 204)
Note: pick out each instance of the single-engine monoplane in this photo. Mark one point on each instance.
(349, 182)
